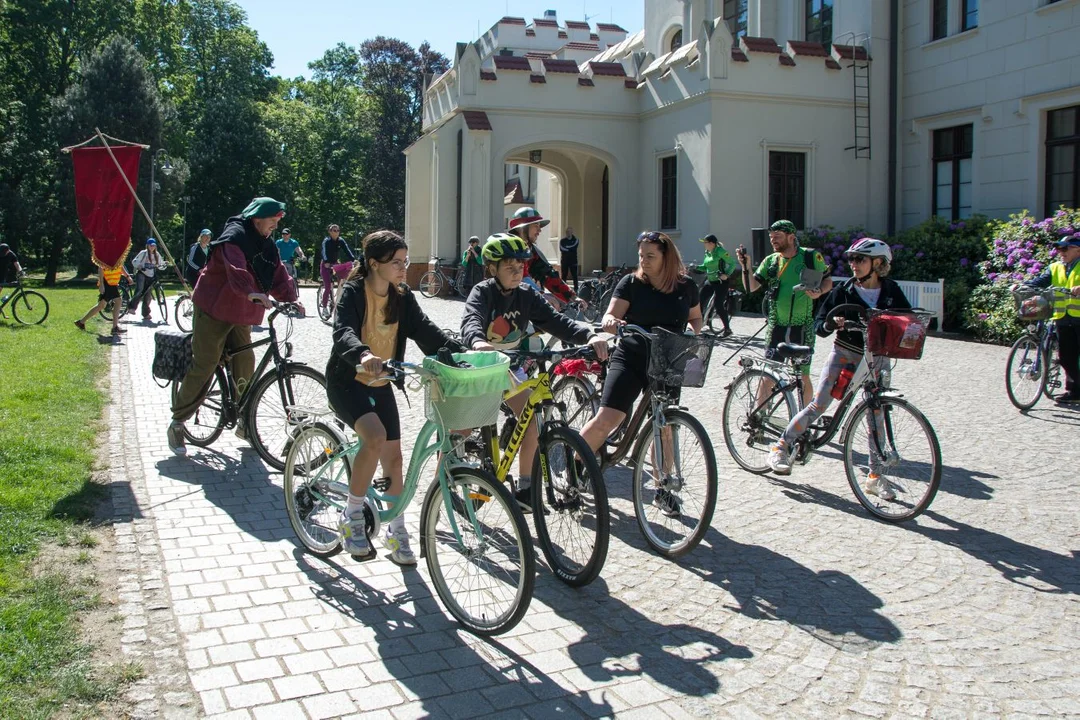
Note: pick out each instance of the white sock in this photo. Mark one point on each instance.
(396, 524)
(524, 482)
(355, 504)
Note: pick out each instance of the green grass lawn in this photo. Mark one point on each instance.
(51, 405)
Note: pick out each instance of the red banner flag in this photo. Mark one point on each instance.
(103, 200)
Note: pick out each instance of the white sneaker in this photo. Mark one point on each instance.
(779, 460)
(397, 542)
(877, 485)
(354, 535)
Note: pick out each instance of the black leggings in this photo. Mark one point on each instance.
(1069, 353)
(352, 400)
(719, 288)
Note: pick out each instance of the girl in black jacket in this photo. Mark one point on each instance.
(869, 287)
(376, 314)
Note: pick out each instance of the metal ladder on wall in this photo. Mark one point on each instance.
(860, 105)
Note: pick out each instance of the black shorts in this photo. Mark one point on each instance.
(627, 379)
(794, 334)
(353, 400)
(111, 293)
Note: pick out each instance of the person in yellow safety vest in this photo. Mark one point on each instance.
(1065, 274)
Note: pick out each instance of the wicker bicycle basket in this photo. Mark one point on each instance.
(1033, 304)
(677, 360)
(461, 398)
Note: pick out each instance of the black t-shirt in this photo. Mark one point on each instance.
(7, 266)
(651, 308)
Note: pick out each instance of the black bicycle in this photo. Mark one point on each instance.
(271, 409)
(28, 307)
(597, 291)
(129, 300)
(1033, 368)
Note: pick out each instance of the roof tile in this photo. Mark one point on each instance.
(807, 48)
(560, 66)
(610, 69)
(786, 60)
(476, 120)
(738, 55)
(585, 82)
(594, 37)
(758, 44)
(544, 22)
(609, 27)
(847, 52)
(529, 32)
(832, 64)
(563, 35)
(512, 21)
(581, 46)
(511, 62)
(488, 75)
(577, 25)
(630, 83)
(537, 78)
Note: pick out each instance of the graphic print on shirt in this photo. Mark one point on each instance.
(502, 332)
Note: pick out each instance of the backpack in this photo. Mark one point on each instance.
(172, 354)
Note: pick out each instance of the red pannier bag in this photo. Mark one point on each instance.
(897, 335)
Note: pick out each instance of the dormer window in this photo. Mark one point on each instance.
(676, 41)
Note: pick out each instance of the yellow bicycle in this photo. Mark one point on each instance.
(569, 501)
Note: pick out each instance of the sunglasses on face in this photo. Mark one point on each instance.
(857, 259)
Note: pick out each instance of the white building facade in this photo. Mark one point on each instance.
(724, 115)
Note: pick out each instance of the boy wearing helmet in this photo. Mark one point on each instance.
(497, 316)
(868, 287)
(526, 225)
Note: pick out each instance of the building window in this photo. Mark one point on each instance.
(819, 21)
(787, 187)
(1062, 159)
(940, 19)
(952, 172)
(735, 16)
(676, 41)
(669, 193)
(969, 14)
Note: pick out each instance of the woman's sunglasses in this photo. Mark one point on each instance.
(857, 259)
(653, 237)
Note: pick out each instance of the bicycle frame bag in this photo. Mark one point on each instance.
(897, 335)
(172, 354)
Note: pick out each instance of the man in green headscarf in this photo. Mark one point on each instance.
(242, 271)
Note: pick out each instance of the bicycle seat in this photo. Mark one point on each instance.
(597, 273)
(786, 351)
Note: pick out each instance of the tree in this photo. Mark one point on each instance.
(393, 77)
(115, 92)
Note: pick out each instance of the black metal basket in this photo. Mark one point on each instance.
(679, 360)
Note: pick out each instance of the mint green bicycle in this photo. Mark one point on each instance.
(473, 535)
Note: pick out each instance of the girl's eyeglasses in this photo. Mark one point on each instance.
(398, 264)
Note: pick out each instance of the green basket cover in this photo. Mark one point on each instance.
(490, 373)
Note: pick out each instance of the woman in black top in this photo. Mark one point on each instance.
(656, 295)
(375, 316)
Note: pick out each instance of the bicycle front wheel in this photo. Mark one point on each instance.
(478, 551)
(579, 397)
(459, 282)
(30, 307)
(316, 487)
(752, 426)
(430, 284)
(184, 313)
(1025, 373)
(899, 448)
(205, 426)
(674, 484)
(1053, 370)
(570, 506)
(270, 425)
(162, 304)
(325, 306)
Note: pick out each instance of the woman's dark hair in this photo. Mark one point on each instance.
(380, 246)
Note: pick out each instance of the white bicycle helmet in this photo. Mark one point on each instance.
(870, 247)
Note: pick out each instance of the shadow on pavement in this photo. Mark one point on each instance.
(959, 481)
(1056, 414)
(448, 676)
(1033, 567)
(622, 641)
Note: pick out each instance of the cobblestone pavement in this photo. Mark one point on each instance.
(796, 604)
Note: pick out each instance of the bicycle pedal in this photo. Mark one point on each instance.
(365, 558)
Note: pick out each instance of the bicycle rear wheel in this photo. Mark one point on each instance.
(459, 282)
(270, 425)
(324, 305)
(106, 313)
(30, 307)
(580, 398)
(570, 506)
(430, 284)
(749, 431)
(484, 570)
(316, 487)
(674, 484)
(1053, 370)
(162, 304)
(1025, 372)
(205, 426)
(184, 312)
(902, 450)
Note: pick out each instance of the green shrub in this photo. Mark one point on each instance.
(991, 316)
